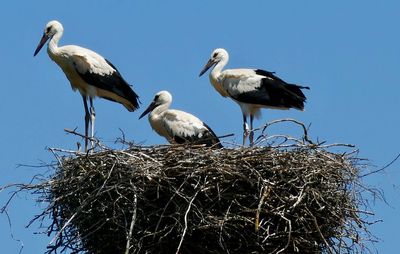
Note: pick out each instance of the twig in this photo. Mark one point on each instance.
(56, 156)
(383, 168)
(265, 193)
(53, 149)
(186, 222)
(166, 205)
(289, 235)
(92, 139)
(63, 228)
(11, 233)
(319, 231)
(305, 132)
(133, 220)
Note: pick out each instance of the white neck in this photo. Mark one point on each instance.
(215, 77)
(156, 120)
(52, 48)
(159, 109)
(216, 71)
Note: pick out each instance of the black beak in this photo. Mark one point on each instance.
(149, 109)
(41, 43)
(207, 66)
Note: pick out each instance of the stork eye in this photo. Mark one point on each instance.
(215, 55)
(48, 29)
(156, 97)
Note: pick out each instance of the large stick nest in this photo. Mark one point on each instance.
(198, 200)
(290, 196)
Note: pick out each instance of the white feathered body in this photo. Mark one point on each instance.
(172, 122)
(73, 59)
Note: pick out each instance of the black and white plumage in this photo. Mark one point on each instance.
(88, 72)
(252, 89)
(178, 126)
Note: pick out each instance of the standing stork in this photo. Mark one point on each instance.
(252, 89)
(88, 72)
(178, 126)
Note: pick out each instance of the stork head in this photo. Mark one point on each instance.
(161, 98)
(52, 28)
(217, 56)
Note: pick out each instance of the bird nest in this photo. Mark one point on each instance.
(297, 198)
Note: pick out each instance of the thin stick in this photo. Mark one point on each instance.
(383, 168)
(185, 219)
(133, 220)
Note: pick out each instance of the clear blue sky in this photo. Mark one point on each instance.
(346, 51)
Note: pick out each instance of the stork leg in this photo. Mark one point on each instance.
(92, 119)
(251, 135)
(87, 118)
(245, 129)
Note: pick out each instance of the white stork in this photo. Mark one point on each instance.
(252, 89)
(178, 126)
(88, 72)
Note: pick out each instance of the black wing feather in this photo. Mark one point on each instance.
(114, 83)
(208, 138)
(269, 74)
(274, 92)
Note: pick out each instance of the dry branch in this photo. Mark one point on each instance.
(296, 197)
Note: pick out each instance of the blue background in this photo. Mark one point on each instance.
(346, 51)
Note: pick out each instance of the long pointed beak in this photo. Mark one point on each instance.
(41, 43)
(148, 110)
(207, 66)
